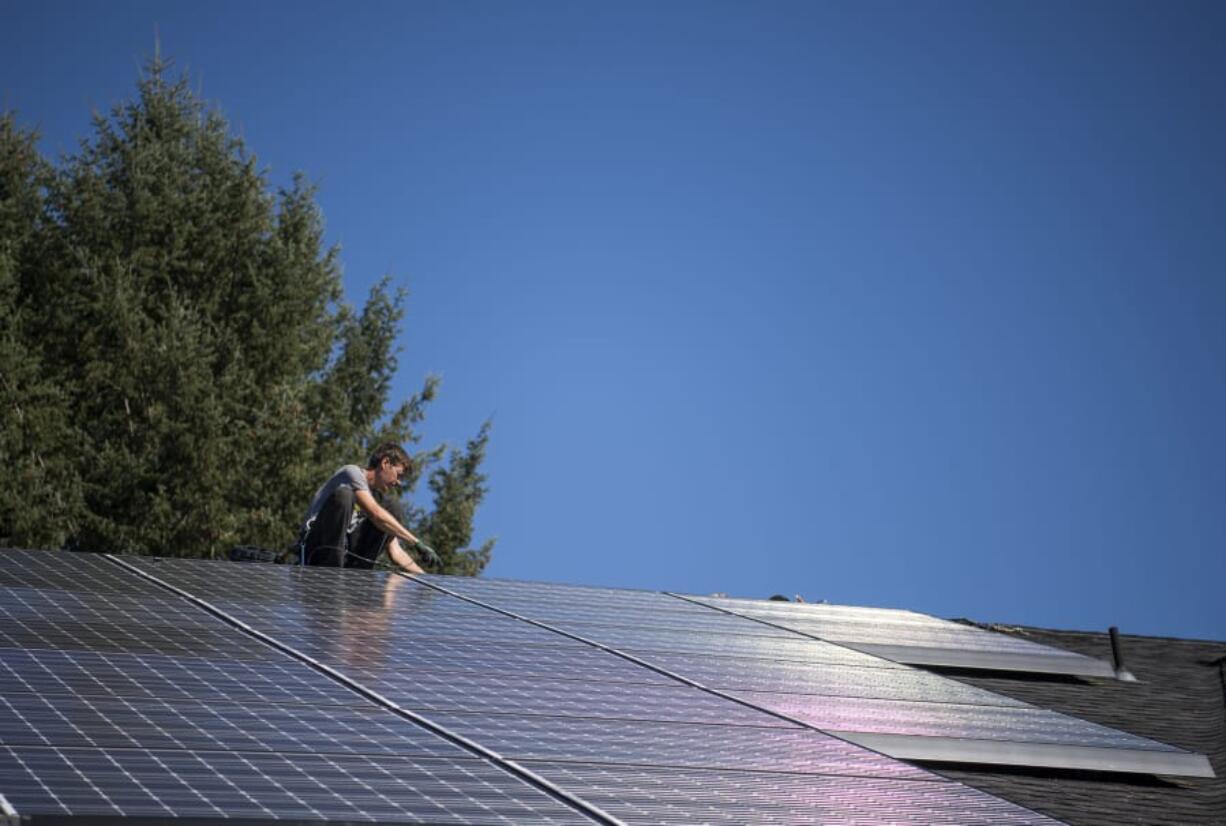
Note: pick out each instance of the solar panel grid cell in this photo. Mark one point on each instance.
(152, 783)
(404, 685)
(676, 744)
(91, 673)
(681, 642)
(358, 633)
(575, 698)
(28, 720)
(1024, 724)
(58, 571)
(84, 606)
(661, 621)
(470, 661)
(126, 637)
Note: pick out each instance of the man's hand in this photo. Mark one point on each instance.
(428, 555)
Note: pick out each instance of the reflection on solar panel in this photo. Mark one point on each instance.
(893, 709)
(118, 698)
(369, 625)
(908, 637)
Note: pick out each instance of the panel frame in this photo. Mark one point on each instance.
(1045, 755)
(985, 660)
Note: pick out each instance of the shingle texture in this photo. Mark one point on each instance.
(1180, 699)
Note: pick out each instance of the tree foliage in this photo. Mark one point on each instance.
(178, 367)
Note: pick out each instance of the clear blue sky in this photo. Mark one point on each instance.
(904, 304)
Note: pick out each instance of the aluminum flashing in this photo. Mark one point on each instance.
(909, 637)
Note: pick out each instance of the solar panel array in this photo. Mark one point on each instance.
(650, 747)
(118, 698)
(357, 695)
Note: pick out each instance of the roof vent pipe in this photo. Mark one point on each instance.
(1117, 658)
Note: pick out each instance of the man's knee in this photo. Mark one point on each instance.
(329, 556)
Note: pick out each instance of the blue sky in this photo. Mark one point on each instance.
(902, 304)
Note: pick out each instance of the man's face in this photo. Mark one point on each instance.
(388, 475)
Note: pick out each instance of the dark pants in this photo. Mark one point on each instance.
(328, 540)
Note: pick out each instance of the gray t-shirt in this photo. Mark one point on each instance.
(351, 476)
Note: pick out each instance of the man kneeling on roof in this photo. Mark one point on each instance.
(346, 527)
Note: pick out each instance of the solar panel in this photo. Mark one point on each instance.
(678, 795)
(921, 717)
(120, 698)
(573, 712)
(909, 637)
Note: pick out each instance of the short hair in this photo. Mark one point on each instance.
(393, 453)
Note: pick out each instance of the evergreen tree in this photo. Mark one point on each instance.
(458, 490)
(177, 343)
(40, 489)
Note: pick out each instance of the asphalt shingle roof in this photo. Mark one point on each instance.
(1179, 698)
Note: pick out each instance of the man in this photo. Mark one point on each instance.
(346, 527)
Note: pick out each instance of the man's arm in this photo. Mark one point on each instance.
(401, 559)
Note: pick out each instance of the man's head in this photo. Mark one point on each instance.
(389, 464)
